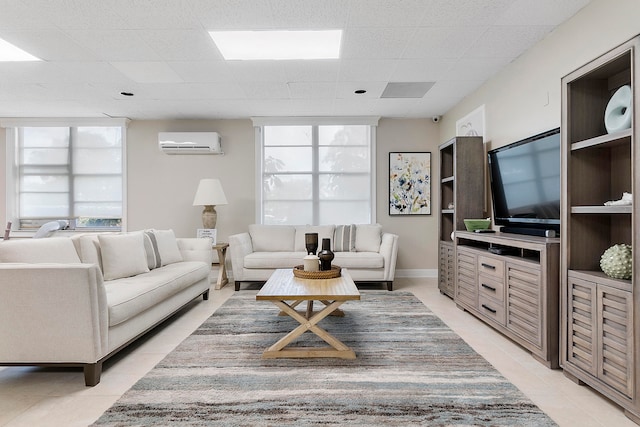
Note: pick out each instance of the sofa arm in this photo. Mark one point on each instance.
(194, 249)
(389, 250)
(240, 246)
(52, 313)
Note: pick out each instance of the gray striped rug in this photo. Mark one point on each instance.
(411, 369)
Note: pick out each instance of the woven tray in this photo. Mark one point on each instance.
(299, 272)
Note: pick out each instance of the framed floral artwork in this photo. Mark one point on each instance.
(409, 183)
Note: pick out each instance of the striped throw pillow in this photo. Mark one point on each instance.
(345, 238)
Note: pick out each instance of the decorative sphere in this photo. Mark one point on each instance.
(616, 261)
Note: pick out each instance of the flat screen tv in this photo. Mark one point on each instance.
(525, 185)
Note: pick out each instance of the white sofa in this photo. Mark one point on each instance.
(368, 253)
(76, 301)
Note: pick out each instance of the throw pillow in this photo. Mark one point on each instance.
(167, 247)
(345, 238)
(272, 238)
(368, 237)
(151, 248)
(123, 255)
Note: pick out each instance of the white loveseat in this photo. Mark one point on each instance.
(368, 253)
(76, 301)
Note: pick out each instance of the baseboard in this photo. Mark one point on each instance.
(417, 272)
(408, 273)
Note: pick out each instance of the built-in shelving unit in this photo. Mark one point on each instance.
(461, 188)
(599, 315)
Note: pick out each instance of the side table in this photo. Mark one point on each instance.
(221, 248)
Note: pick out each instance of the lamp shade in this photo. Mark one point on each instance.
(209, 193)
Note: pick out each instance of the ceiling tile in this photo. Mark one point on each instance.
(261, 71)
(92, 72)
(81, 14)
(233, 14)
(309, 14)
(202, 71)
(317, 71)
(266, 90)
(546, 12)
(33, 72)
(114, 45)
(19, 15)
(506, 41)
(366, 69)
(48, 45)
(312, 90)
(384, 13)
(463, 12)
(148, 72)
(156, 14)
(414, 70)
(181, 45)
(442, 42)
(375, 43)
(475, 68)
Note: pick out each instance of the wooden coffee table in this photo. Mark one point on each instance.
(283, 286)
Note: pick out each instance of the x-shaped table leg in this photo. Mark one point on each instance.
(337, 349)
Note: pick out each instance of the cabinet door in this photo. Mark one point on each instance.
(466, 278)
(615, 350)
(524, 305)
(581, 325)
(446, 272)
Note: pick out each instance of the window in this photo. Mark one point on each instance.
(316, 173)
(62, 171)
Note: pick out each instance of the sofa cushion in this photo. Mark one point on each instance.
(368, 237)
(89, 250)
(128, 297)
(272, 238)
(324, 232)
(167, 247)
(55, 249)
(273, 259)
(358, 260)
(345, 238)
(123, 255)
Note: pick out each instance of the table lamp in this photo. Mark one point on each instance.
(209, 194)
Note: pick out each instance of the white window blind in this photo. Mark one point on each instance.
(67, 172)
(316, 174)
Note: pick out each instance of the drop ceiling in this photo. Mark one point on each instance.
(160, 51)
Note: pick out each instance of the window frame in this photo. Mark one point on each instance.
(260, 122)
(12, 168)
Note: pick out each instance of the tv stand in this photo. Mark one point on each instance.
(541, 232)
(510, 282)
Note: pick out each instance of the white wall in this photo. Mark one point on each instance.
(161, 187)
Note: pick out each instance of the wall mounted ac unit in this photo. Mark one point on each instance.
(189, 142)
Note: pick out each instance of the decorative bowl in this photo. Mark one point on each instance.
(477, 224)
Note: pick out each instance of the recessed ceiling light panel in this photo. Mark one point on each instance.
(265, 45)
(9, 52)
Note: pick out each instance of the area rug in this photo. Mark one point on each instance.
(411, 369)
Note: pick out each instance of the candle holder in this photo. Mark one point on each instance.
(311, 243)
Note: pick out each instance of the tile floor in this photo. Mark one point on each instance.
(57, 397)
